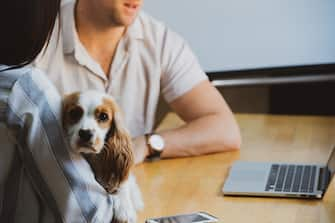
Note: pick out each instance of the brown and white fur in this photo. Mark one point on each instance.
(92, 121)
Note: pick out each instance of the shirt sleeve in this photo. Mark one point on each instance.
(181, 69)
(63, 179)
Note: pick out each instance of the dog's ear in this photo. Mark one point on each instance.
(69, 101)
(119, 147)
(112, 165)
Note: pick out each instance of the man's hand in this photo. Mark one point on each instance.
(140, 149)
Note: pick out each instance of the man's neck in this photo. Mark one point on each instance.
(99, 38)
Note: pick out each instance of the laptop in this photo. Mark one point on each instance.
(279, 179)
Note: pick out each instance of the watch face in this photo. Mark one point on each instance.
(156, 142)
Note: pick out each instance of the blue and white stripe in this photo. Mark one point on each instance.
(42, 168)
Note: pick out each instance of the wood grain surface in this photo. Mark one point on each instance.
(192, 184)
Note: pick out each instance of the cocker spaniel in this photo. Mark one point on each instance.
(92, 122)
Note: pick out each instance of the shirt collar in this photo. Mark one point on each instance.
(134, 31)
(68, 27)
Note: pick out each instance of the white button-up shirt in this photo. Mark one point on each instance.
(150, 61)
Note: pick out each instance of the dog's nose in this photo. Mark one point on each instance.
(85, 135)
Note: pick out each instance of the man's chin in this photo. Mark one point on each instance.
(124, 20)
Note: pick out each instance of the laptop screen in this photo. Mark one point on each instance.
(331, 163)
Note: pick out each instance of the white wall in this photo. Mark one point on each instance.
(244, 34)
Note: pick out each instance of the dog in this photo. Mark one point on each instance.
(93, 124)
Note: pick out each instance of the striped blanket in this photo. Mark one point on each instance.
(41, 180)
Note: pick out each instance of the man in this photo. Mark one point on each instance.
(110, 46)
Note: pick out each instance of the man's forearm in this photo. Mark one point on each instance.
(208, 134)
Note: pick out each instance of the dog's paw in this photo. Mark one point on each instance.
(124, 212)
(125, 216)
(139, 204)
(135, 194)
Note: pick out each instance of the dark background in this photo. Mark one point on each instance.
(316, 98)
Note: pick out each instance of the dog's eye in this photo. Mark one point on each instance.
(76, 113)
(103, 116)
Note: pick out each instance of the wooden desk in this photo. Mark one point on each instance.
(194, 184)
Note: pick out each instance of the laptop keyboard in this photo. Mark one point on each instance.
(291, 178)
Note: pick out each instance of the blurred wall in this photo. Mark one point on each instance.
(240, 34)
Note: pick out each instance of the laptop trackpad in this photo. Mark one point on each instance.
(247, 177)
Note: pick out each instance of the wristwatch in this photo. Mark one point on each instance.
(155, 144)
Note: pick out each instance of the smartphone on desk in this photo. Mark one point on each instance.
(197, 217)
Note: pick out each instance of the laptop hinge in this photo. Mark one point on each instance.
(324, 177)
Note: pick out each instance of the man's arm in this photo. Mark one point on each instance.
(210, 126)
